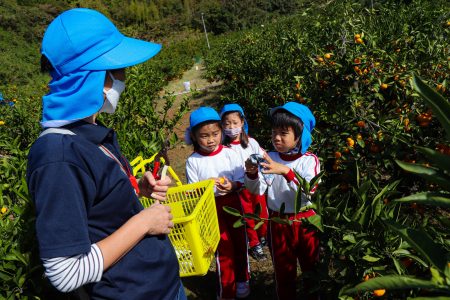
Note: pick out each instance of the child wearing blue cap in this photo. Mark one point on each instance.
(235, 128)
(211, 160)
(292, 124)
(95, 238)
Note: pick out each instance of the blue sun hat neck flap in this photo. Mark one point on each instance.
(81, 44)
(305, 115)
(233, 107)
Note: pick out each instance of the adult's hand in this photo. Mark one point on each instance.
(157, 218)
(151, 188)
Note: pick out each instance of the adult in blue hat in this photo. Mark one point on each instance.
(94, 235)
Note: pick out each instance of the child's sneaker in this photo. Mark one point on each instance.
(242, 289)
(257, 252)
(263, 241)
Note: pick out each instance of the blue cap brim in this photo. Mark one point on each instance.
(128, 53)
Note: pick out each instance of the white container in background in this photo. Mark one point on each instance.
(187, 86)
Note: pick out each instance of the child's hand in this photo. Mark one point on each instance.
(272, 167)
(223, 184)
(151, 188)
(250, 167)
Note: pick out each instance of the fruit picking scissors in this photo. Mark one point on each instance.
(157, 162)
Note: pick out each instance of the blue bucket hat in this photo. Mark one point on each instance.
(198, 116)
(81, 45)
(234, 108)
(305, 115)
(203, 114)
(84, 39)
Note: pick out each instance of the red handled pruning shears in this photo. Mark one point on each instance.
(157, 162)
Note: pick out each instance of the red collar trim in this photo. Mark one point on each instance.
(290, 157)
(237, 142)
(217, 151)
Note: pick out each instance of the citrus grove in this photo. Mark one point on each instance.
(353, 65)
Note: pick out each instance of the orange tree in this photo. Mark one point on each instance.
(352, 66)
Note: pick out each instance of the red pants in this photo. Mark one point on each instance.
(249, 202)
(231, 254)
(289, 244)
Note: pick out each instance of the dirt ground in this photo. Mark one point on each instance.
(204, 287)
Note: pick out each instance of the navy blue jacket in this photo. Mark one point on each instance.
(82, 196)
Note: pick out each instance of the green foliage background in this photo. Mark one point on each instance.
(278, 60)
(314, 58)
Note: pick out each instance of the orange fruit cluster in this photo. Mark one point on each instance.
(358, 39)
(379, 293)
(424, 119)
(350, 142)
(361, 124)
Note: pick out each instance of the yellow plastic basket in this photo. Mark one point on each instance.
(195, 235)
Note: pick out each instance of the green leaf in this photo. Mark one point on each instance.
(350, 238)
(430, 174)
(441, 161)
(259, 224)
(316, 221)
(428, 198)
(371, 258)
(281, 221)
(232, 211)
(436, 277)
(251, 216)
(316, 179)
(420, 241)
(439, 105)
(238, 223)
(392, 282)
(361, 143)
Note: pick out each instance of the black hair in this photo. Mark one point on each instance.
(284, 119)
(197, 127)
(243, 137)
(46, 65)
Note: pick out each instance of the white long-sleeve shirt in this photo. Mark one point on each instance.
(223, 162)
(284, 188)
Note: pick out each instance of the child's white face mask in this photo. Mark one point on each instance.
(112, 95)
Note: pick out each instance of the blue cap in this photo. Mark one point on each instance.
(305, 115)
(234, 108)
(84, 39)
(203, 114)
(81, 44)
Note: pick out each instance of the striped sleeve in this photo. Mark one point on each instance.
(69, 273)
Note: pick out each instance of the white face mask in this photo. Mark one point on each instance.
(232, 132)
(112, 95)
